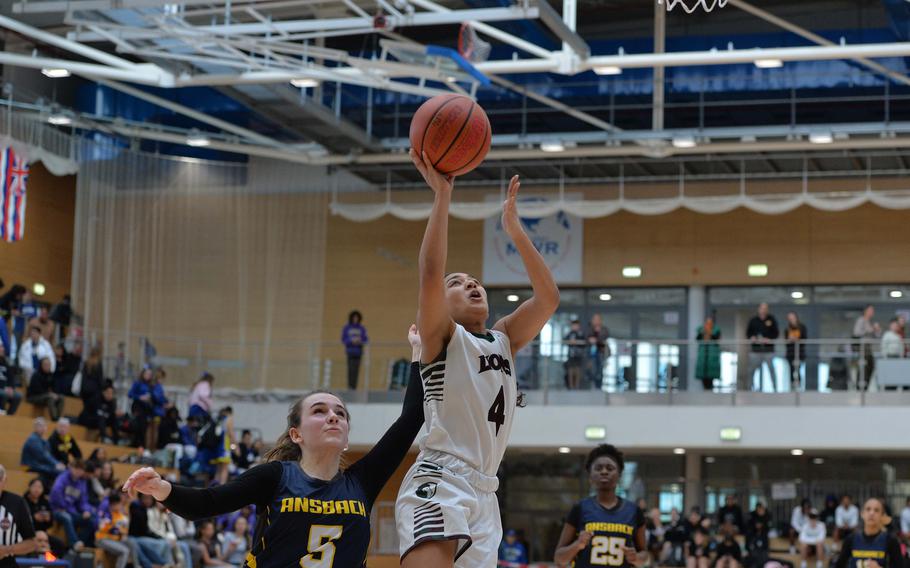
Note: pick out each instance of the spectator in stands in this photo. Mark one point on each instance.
(62, 313)
(707, 365)
(100, 413)
(692, 523)
(892, 342)
(97, 494)
(575, 340)
(510, 550)
(188, 437)
(846, 519)
(33, 351)
(43, 547)
(40, 390)
(24, 310)
(798, 520)
(828, 515)
(654, 534)
(675, 537)
(92, 374)
(698, 549)
(142, 406)
(757, 536)
(107, 479)
(762, 331)
(245, 455)
(729, 555)
(62, 443)
(185, 531)
(112, 535)
(211, 552)
(160, 404)
(731, 513)
(867, 331)
(18, 535)
(42, 516)
(63, 382)
(598, 351)
(36, 454)
(160, 525)
(237, 542)
(43, 323)
(169, 433)
(214, 448)
(795, 335)
(10, 397)
(812, 541)
(354, 337)
(152, 546)
(201, 396)
(69, 501)
(72, 358)
(905, 523)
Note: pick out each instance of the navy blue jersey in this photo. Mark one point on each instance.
(305, 522)
(859, 548)
(612, 529)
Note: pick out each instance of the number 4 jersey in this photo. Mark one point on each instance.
(612, 528)
(469, 397)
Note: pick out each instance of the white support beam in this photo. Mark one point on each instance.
(194, 114)
(146, 73)
(66, 44)
(658, 86)
(564, 30)
(803, 32)
(489, 30)
(688, 58)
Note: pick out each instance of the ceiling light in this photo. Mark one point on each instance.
(552, 146)
(451, 79)
(679, 451)
(305, 82)
(38, 289)
(821, 138)
(796, 452)
(595, 433)
(631, 272)
(818, 461)
(564, 449)
(607, 70)
(55, 73)
(197, 140)
(512, 297)
(896, 294)
(710, 459)
(605, 297)
(768, 63)
(684, 142)
(797, 295)
(58, 119)
(758, 270)
(747, 139)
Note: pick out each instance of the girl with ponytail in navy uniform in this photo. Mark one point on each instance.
(604, 529)
(310, 513)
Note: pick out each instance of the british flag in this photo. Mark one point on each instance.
(14, 172)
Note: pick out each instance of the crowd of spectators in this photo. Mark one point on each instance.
(588, 351)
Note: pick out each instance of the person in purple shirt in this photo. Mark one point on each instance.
(354, 337)
(69, 500)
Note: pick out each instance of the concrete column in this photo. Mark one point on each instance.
(694, 495)
(697, 305)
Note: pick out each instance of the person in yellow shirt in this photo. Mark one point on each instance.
(112, 534)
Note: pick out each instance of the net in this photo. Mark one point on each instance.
(689, 6)
(471, 46)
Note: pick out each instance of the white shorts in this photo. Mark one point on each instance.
(442, 498)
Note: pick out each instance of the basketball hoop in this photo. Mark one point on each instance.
(689, 6)
(470, 46)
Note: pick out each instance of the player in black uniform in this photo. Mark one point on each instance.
(309, 512)
(603, 530)
(873, 546)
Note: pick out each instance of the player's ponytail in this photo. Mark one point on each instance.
(285, 449)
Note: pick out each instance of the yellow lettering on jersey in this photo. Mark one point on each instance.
(342, 508)
(250, 560)
(610, 527)
(317, 507)
(328, 507)
(878, 554)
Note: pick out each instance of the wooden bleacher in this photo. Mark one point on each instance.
(18, 427)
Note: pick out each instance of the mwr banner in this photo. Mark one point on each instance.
(558, 237)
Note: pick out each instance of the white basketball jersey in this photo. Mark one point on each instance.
(469, 399)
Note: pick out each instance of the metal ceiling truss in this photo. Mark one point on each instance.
(230, 43)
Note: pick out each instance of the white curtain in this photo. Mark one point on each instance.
(218, 265)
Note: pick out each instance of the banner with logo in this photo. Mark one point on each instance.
(558, 237)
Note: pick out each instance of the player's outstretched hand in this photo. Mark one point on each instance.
(414, 337)
(147, 481)
(437, 181)
(511, 223)
(632, 556)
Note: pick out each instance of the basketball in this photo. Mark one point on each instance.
(454, 131)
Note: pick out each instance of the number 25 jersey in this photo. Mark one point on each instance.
(469, 397)
(612, 528)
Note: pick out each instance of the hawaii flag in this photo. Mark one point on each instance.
(14, 173)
